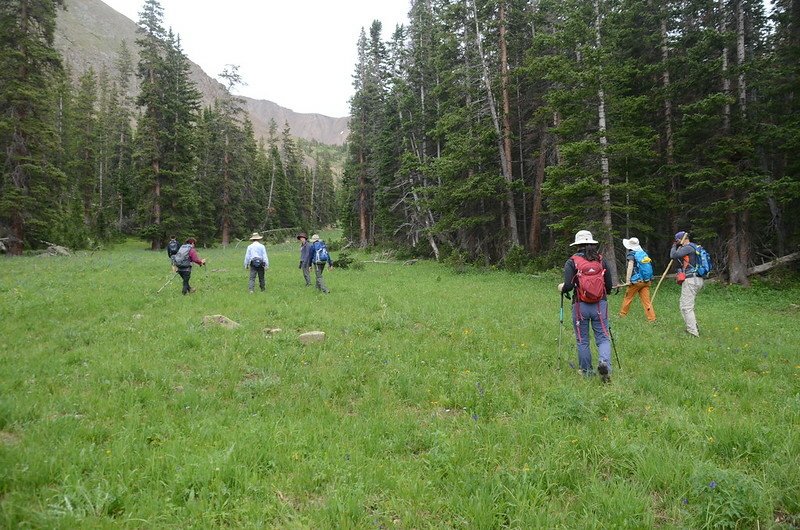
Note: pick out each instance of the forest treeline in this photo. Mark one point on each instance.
(83, 162)
(492, 130)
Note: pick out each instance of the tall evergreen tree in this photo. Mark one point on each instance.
(169, 103)
(29, 67)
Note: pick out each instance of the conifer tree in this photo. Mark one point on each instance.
(169, 103)
(29, 68)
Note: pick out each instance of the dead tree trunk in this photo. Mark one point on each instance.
(505, 163)
(605, 179)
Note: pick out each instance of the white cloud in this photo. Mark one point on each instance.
(300, 54)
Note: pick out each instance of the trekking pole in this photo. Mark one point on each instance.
(669, 266)
(560, 331)
(168, 282)
(614, 345)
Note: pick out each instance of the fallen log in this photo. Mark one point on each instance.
(764, 267)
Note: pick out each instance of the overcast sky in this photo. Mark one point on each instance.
(301, 54)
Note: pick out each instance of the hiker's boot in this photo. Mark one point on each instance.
(602, 369)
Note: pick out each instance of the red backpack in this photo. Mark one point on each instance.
(591, 279)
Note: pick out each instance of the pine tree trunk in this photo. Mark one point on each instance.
(271, 187)
(535, 235)
(155, 242)
(738, 244)
(605, 181)
(669, 140)
(505, 163)
(740, 56)
(362, 201)
(313, 185)
(507, 170)
(226, 196)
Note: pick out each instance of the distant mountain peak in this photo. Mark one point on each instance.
(90, 33)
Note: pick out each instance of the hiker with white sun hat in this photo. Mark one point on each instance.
(586, 272)
(638, 278)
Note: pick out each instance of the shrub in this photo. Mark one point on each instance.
(722, 498)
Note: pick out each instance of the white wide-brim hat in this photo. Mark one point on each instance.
(314, 238)
(583, 237)
(256, 236)
(631, 244)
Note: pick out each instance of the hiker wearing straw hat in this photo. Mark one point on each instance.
(638, 278)
(587, 273)
(305, 250)
(257, 261)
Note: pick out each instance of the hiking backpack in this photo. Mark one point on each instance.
(320, 253)
(591, 279)
(703, 263)
(181, 258)
(172, 248)
(644, 266)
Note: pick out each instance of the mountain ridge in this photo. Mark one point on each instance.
(89, 33)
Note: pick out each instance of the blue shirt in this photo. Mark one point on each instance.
(256, 250)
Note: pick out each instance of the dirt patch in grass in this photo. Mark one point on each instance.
(9, 438)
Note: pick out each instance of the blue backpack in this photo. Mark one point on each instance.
(643, 270)
(320, 252)
(703, 264)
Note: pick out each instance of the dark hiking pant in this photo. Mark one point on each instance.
(261, 282)
(186, 274)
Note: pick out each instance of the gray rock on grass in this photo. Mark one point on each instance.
(219, 320)
(312, 336)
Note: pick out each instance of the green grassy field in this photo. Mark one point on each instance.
(433, 403)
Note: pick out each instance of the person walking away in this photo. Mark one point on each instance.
(684, 252)
(586, 272)
(183, 260)
(638, 278)
(257, 261)
(305, 248)
(172, 247)
(318, 256)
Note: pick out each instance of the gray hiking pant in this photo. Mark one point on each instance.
(689, 289)
(318, 268)
(306, 273)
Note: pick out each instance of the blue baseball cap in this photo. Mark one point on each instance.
(679, 235)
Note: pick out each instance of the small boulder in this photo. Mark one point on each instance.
(55, 250)
(312, 336)
(219, 320)
(271, 331)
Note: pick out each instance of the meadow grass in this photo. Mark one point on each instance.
(434, 402)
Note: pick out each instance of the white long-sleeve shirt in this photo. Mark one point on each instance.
(256, 250)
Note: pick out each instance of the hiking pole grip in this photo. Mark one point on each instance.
(669, 266)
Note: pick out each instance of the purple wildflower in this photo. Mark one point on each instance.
(713, 484)
(475, 417)
(685, 500)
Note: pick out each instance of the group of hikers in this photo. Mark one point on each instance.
(312, 254)
(586, 272)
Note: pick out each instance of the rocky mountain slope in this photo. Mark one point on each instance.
(90, 33)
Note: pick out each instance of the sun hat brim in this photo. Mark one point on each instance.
(630, 246)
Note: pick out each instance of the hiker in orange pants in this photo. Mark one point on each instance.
(638, 278)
